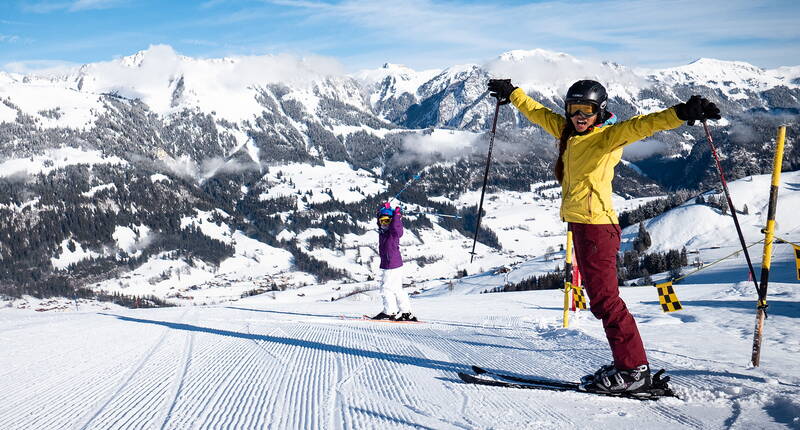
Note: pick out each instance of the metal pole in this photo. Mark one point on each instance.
(485, 177)
(769, 233)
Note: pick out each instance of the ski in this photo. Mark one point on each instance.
(508, 381)
(369, 318)
(540, 381)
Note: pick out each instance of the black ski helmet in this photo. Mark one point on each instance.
(588, 91)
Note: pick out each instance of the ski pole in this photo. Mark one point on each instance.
(732, 207)
(486, 174)
(417, 176)
(433, 214)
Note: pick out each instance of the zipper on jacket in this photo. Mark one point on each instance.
(566, 166)
(606, 172)
(591, 191)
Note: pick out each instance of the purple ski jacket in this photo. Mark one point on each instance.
(389, 243)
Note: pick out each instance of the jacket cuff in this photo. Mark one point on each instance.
(517, 96)
(673, 118)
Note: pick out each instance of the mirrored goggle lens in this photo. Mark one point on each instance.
(583, 109)
(385, 220)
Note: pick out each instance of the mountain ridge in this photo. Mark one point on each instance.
(219, 130)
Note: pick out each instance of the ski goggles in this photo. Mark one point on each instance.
(583, 109)
(384, 220)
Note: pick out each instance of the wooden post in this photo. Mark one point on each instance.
(769, 232)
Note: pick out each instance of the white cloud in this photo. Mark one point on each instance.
(160, 61)
(40, 67)
(211, 3)
(218, 165)
(644, 148)
(436, 145)
(188, 169)
(639, 32)
(94, 4)
(8, 38)
(743, 133)
(557, 71)
(444, 145)
(71, 6)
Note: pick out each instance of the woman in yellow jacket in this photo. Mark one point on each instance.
(590, 145)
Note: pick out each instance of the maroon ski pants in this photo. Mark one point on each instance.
(596, 247)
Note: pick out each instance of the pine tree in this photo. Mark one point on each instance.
(643, 240)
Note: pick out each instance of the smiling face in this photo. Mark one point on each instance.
(582, 123)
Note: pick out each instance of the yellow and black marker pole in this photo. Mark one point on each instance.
(797, 259)
(567, 278)
(769, 233)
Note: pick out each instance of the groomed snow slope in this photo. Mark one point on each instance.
(292, 362)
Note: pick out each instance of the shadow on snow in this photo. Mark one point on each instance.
(776, 307)
(310, 344)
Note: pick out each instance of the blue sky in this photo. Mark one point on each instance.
(418, 33)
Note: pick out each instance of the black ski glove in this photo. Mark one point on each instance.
(697, 109)
(501, 89)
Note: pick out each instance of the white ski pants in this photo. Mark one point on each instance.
(394, 297)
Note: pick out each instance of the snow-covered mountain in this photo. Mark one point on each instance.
(161, 174)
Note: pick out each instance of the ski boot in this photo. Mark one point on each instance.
(590, 378)
(406, 316)
(385, 316)
(609, 379)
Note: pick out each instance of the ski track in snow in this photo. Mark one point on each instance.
(246, 366)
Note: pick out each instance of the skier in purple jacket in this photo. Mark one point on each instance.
(396, 304)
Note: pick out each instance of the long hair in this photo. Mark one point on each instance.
(566, 133)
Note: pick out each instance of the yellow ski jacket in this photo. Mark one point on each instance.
(589, 159)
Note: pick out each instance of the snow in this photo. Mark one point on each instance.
(255, 258)
(299, 179)
(344, 130)
(168, 83)
(53, 159)
(224, 85)
(97, 188)
(710, 228)
(727, 75)
(66, 257)
(517, 218)
(193, 281)
(285, 235)
(259, 361)
(232, 362)
(551, 73)
(311, 232)
(403, 80)
(7, 114)
(132, 241)
(252, 151)
(156, 177)
(203, 221)
(76, 109)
